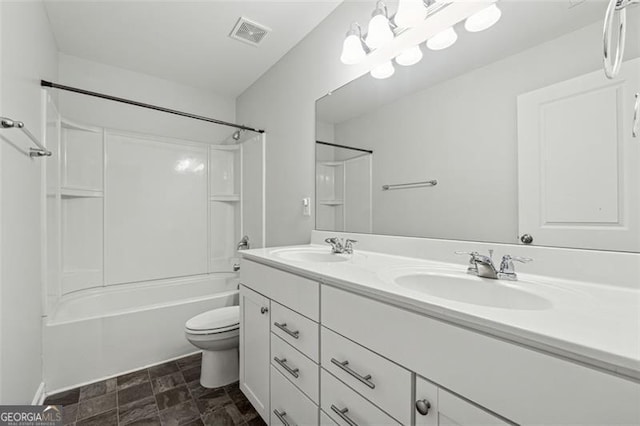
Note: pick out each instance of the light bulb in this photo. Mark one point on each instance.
(352, 50)
(379, 30)
(410, 13)
(385, 70)
(443, 39)
(411, 56)
(484, 19)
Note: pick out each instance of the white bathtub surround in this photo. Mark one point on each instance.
(595, 296)
(103, 332)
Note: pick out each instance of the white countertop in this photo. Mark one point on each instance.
(594, 324)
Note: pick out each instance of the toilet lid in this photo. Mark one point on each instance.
(221, 318)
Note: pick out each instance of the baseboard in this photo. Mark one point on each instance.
(66, 388)
(38, 398)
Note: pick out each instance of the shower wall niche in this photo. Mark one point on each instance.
(82, 205)
(130, 208)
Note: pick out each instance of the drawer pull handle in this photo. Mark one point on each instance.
(344, 365)
(281, 416)
(283, 327)
(423, 406)
(343, 415)
(283, 364)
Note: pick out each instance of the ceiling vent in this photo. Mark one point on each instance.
(249, 31)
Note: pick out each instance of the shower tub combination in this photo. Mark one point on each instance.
(99, 333)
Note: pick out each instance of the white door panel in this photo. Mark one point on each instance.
(577, 162)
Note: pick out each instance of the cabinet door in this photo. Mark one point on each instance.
(254, 349)
(455, 411)
(577, 162)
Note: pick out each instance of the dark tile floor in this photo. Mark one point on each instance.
(166, 394)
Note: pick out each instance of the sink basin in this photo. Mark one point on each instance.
(310, 255)
(465, 288)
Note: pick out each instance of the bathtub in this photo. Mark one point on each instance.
(102, 332)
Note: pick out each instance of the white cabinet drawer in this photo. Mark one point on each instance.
(298, 293)
(293, 328)
(346, 407)
(300, 370)
(379, 380)
(289, 406)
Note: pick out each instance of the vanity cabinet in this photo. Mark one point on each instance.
(285, 361)
(254, 348)
(324, 355)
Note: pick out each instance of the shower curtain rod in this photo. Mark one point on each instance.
(45, 83)
(344, 146)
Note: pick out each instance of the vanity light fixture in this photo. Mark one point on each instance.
(382, 71)
(484, 19)
(379, 32)
(411, 56)
(410, 13)
(443, 39)
(353, 48)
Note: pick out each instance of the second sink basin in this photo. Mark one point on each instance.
(310, 255)
(469, 289)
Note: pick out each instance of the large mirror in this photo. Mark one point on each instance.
(510, 131)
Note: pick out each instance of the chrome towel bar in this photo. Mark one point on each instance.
(40, 151)
(410, 185)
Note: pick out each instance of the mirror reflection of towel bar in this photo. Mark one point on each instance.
(410, 185)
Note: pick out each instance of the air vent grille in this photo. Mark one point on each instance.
(249, 31)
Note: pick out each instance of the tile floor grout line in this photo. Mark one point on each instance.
(155, 400)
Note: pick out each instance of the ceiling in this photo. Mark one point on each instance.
(524, 24)
(184, 41)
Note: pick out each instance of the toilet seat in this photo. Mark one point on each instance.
(216, 321)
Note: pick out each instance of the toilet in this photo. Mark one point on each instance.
(216, 332)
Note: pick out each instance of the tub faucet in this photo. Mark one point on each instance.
(244, 243)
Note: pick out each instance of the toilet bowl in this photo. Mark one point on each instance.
(216, 332)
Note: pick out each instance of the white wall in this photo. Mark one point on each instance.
(28, 55)
(282, 101)
(469, 145)
(140, 87)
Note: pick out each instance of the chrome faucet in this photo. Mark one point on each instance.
(243, 244)
(483, 266)
(340, 246)
(507, 270)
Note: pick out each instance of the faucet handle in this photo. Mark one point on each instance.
(506, 266)
(348, 245)
(470, 253)
(336, 244)
(473, 267)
